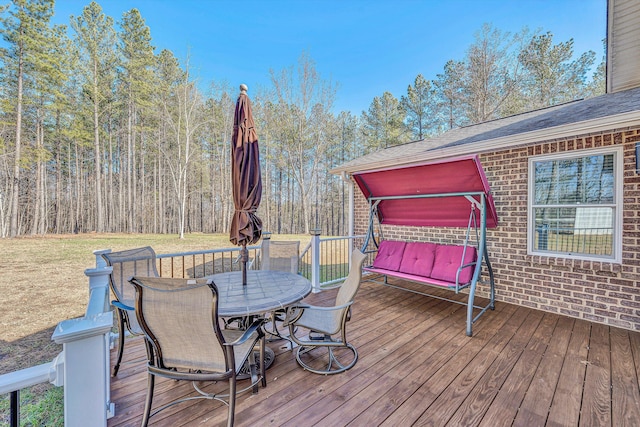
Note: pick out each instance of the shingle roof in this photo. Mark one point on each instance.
(547, 119)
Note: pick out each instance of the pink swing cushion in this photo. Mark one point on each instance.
(426, 262)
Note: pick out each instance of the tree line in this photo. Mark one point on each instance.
(98, 132)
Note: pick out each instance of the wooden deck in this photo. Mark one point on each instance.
(522, 367)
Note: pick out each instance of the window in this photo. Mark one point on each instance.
(575, 207)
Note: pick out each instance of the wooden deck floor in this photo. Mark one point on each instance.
(522, 367)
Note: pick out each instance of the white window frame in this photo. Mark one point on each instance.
(618, 174)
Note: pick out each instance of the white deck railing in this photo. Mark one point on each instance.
(83, 365)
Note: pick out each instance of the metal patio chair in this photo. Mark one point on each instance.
(179, 318)
(281, 256)
(325, 349)
(127, 263)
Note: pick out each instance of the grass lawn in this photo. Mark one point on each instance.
(42, 283)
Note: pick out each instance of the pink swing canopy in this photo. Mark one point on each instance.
(430, 194)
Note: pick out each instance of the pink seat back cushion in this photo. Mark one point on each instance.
(389, 255)
(418, 258)
(448, 259)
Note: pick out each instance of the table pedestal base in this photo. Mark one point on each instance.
(269, 357)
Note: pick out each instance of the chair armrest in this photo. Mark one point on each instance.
(295, 312)
(298, 306)
(320, 308)
(121, 306)
(255, 326)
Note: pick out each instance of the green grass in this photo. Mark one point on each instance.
(37, 407)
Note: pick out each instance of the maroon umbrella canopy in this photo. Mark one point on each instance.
(246, 227)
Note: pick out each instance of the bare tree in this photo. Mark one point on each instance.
(184, 115)
(492, 73)
(304, 103)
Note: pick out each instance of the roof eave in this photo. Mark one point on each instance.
(585, 127)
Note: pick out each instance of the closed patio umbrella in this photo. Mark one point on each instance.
(246, 227)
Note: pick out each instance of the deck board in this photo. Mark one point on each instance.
(596, 396)
(565, 407)
(533, 410)
(385, 369)
(446, 371)
(404, 363)
(375, 352)
(486, 388)
(417, 366)
(457, 391)
(625, 409)
(504, 407)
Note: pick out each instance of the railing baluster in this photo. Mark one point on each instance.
(14, 417)
(333, 256)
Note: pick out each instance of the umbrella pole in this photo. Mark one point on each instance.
(244, 257)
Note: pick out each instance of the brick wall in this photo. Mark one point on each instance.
(602, 292)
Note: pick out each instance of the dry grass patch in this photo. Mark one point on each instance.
(43, 283)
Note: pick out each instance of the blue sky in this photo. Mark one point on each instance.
(367, 47)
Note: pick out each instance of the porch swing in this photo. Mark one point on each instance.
(451, 193)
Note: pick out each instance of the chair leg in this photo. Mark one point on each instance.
(329, 362)
(263, 368)
(147, 406)
(275, 332)
(232, 400)
(253, 369)
(120, 342)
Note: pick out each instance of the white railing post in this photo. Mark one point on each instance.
(98, 290)
(315, 260)
(100, 262)
(85, 348)
(351, 221)
(265, 261)
(99, 280)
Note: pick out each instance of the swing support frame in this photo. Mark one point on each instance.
(478, 200)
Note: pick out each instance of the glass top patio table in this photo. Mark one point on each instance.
(265, 291)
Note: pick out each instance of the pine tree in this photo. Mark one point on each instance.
(383, 123)
(449, 92)
(420, 107)
(137, 79)
(25, 30)
(551, 77)
(96, 42)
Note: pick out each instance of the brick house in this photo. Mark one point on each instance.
(566, 185)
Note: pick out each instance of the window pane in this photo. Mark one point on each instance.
(573, 181)
(598, 179)
(572, 230)
(544, 172)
